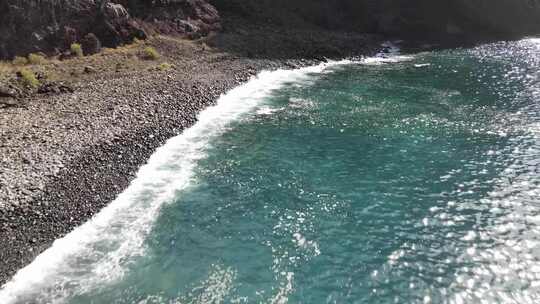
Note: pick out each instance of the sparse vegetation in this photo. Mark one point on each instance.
(136, 40)
(5, 69)
(37, 71)
(164, 66)
(76, 50)
(36, 59)
(29, 78)
(18, 60)
(150, 53)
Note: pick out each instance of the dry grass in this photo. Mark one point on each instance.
(71, 71)
(6, 69)
(36, 59)
(18, 60)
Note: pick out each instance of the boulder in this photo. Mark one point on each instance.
(90, 44)
(7, 92)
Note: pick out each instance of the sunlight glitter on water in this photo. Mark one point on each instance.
(412, 180)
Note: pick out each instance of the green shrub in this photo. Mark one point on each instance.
(19, 60)
(164, 66)
(36, 59)
(29, 78)
(76, 49)
(151, 53)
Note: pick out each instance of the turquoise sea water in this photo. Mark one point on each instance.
(404, 180)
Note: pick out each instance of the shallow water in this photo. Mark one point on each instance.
(404, 180)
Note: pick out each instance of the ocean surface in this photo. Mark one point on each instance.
(392, 179)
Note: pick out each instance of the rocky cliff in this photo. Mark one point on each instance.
(419, 18)
(52, 25)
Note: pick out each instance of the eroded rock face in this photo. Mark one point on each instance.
(45, 25)
(192, 17)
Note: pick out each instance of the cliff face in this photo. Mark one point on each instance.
(508, 17)
(45, 25)
(476, 18)
(51, 25)
(420, 18)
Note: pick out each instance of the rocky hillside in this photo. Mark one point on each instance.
(430, 19)
(51, 26)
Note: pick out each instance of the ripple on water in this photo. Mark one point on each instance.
(395, 180)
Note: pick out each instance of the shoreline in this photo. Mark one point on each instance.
(70, 155)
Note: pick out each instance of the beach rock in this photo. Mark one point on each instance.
(7, 92)
(9, 102)
(54, 88)
(89, 70)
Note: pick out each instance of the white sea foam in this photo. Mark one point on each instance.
(390, 54)
(99, 251)
(267, 110)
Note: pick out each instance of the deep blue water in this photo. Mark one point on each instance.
(414, 181)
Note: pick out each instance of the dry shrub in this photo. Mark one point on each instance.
(76, 49)
(29, 78)
(150, 53)
(164, 66)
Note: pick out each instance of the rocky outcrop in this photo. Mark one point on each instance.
(52, 25)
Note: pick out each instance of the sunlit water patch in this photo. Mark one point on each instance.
(394, 179)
